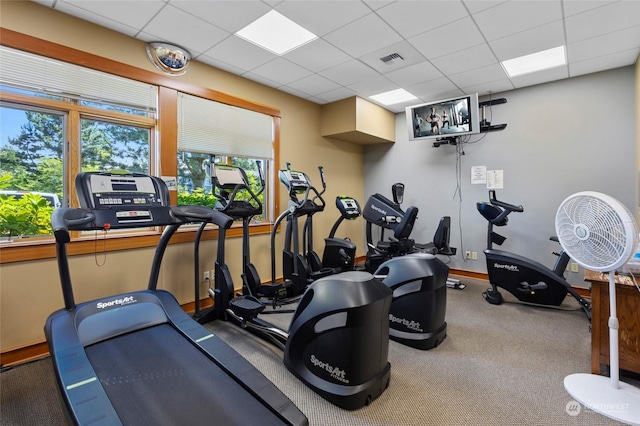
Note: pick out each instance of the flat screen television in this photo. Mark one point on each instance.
(447, 118)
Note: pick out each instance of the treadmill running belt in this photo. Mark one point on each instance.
(155, 376)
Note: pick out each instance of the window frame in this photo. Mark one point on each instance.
(165, 136)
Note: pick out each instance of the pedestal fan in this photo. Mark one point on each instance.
(600, 233)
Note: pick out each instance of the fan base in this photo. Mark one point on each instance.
(595, 393)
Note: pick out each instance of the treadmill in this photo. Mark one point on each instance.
(138, 358)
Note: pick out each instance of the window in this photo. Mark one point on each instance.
(109, 146)
(195, 183)
(136, 108)
(31, 169)
(211, 132)
(59, 119)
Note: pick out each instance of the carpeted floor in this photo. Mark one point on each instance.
(499, 365)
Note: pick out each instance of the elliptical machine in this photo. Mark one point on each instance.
(529, 281)
(337, 342)
(229, 182)
(304, 201)
(338, 253)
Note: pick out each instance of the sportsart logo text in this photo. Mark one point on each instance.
(120, 302)
(378, 209)
(335, 372)
(512, 268)
(411, 325)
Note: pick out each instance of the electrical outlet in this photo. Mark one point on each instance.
(467, 254)
(207, 276)
(474, 255)
(575, 267)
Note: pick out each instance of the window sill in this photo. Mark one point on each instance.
(38, 249)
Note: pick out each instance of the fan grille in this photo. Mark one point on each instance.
(596, 231)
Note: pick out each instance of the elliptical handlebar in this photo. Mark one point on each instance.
(324, 183)
(260, 176)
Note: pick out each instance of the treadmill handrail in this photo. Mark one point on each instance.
(201, 214)
(65, 218)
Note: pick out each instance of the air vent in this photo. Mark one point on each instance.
(392, 58)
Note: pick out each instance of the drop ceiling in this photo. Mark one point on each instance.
(438, 49)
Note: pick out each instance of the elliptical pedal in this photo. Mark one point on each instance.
(246, 307)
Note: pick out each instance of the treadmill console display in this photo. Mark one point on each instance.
(130, 198)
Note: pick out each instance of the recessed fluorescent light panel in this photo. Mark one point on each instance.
(276, 33)
(393, 97)
(538, 61)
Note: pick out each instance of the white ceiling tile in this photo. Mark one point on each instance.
(230, 15)
(316, 100)
(317, 56)
(336, 95)
(185, 29)
(377, 4)
(414, 74)
(573, 7)
(603, 20)
(610, 43)
(137, 15)
(262, 80)
(220, 65)
(606, 62)
(411, 18)
(314, 85)
(320, 17)
(281, 71)
(515, 16)
(455, 44)
(464, 60)
(448, 39)
(239, 53)
(541, 77)
(477, 76)
(475, 6)
(294, 92)
(534, 40)
(435, 90)
(409, 56)
(97, 19)
(48, 3)
(490, 87)
(349, 72)
(373, 86)
(363, 36)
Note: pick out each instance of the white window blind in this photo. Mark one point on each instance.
(211, 127)
(40, 74)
